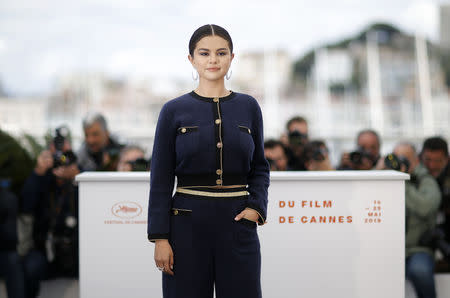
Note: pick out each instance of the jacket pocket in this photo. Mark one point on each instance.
(180, 211)
(248, 222)
(245, 129)
(186, 129)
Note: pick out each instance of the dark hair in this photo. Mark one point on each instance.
(208, 30)
(272, 143)
(435, 144)
(299, 119)
(312, 147)
(369, 131)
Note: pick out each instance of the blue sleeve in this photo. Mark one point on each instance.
(259, 177)
(162, 176)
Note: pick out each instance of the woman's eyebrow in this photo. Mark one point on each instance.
(221, 49)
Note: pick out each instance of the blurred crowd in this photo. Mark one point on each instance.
(39, 198)
(39, 202)
(427, 193)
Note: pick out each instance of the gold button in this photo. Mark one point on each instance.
(219, 145)
(216, 99)
(218, 181)
(218, 121)
(183, 130)
(218, 171)
(175, 212)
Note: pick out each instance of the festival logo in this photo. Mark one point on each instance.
(126, 210)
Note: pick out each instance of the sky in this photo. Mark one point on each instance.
(42, 40)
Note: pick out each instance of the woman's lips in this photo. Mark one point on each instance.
(213, 69)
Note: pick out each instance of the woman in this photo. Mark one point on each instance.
(211, 139)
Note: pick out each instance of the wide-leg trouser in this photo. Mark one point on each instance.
(211, 249)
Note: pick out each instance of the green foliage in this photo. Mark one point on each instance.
(15, 162)
(304, 65)
(389, 29)
(33, 147)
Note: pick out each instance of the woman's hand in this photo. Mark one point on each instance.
(164, 256)
(249, 214)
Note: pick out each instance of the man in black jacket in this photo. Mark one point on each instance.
(51, 197)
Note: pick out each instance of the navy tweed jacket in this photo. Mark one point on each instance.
(207, 141)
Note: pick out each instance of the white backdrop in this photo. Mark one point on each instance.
(329, 234)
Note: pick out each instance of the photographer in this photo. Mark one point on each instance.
(422, 198)
(295, 142)
(367, 154)
(14, 162)
(51, 198)
(275, 153)
(99, 152)
(316, 156)
(132, 159)
(435, 157)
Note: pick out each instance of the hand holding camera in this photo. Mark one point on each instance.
(59, 157)
(44, 162)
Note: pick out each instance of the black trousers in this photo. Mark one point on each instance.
(211, 249)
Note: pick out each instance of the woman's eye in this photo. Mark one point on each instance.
(204, 54)
(222, 53)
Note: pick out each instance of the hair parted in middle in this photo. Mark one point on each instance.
(209, 30)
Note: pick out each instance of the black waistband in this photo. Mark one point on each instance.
(210, 179)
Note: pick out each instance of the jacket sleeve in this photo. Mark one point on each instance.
(423, 199)
(259, 176)
(33, 191)
(162, 176)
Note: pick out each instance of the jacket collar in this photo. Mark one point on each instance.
(210, 99)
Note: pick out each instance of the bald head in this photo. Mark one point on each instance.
(408, 151)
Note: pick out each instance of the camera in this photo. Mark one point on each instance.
(297, 138)
(61, 158)
(357, 156)
(395, 162)
(62, 246)
(316, 150)
(435, 239)
(140, 164)
(113, 152)
(319, 154)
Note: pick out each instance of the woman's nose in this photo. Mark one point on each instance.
(213, 58)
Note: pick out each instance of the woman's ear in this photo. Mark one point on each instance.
(232, 56)
(191, 59)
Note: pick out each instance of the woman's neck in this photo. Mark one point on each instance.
(212, 89)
